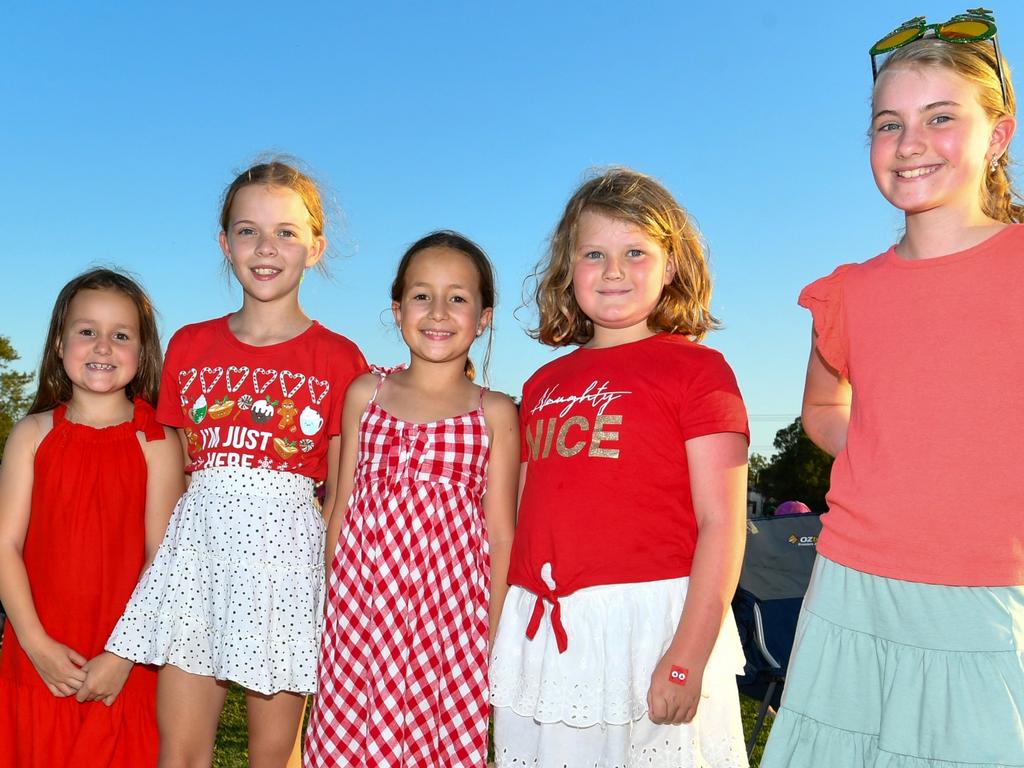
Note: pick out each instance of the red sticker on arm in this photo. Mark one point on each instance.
(678, 675)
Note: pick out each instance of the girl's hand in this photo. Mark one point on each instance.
(673, 698)
(105, 676)
(58, 666)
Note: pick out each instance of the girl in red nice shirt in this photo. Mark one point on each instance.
(616, 646)
(236, 590)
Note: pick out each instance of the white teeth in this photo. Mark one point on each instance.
(265, 271)
(100, 367)
(913, 174)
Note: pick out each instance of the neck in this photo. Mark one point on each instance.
(613, 337)
(99, 410)
(263, 323)
(436, 377)
(939, 232)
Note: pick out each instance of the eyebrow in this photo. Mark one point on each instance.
(250, 221)
(925, 108)
(90, 321)
(428, 285)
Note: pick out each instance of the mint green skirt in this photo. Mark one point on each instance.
(896, 674)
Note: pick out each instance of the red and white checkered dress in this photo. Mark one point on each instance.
(403, 666)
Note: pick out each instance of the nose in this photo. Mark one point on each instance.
(266, 245)
(612, 268)
(102, 345)
(911, 143)
(438, 309)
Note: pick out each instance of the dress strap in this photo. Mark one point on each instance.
(382, 372)
(483, 391)
(144, 421)
(59, 413)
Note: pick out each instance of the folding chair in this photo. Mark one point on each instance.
(776, 570)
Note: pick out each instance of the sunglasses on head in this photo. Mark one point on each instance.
(973, 26)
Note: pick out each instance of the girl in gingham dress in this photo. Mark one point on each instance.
(422, 531)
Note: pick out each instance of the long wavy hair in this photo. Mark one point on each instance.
(54, 384)
(627, 195)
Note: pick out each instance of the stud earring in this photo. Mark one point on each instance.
(993, 164)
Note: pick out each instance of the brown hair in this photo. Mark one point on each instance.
(446, 238)
(976, 63)
(277, 173)
(54, 384)
(627, 195)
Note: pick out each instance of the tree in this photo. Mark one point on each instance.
(14, 401)
(799, 470)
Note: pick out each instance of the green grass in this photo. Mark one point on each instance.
(230, 751)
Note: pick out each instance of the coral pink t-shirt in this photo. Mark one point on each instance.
(273, 407)
(928, 487)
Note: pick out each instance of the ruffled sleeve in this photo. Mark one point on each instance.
(145, 421)
(824, 298)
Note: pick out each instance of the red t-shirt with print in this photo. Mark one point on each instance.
(273, 407)
(607, 494)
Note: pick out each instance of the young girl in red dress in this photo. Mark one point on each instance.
(86, 487)
(425, 515)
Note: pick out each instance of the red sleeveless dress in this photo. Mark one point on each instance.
(84, 549)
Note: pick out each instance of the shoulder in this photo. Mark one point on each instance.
(499, 410)
(684, 351)
(343, 352)
(28, 433)
(325, 335)
(553, 368)
(361, 389)
(192, 332)
(162, 451)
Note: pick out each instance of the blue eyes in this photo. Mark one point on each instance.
(250, 232)
(893, 126)
(632, 253)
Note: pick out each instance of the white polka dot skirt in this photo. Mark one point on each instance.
(236, 588)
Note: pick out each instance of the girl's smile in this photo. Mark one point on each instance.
(931, 140)
(100, 344)
(440, 314)
(270, 242)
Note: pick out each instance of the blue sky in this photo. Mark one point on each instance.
(123, 123)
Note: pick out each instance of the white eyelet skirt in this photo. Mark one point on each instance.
(587, 707)
(236, 589)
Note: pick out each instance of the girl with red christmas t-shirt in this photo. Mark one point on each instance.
(615, 644)
(235, 592)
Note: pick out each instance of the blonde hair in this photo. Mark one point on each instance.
(627, 195)
(283, 173)
(976, 63)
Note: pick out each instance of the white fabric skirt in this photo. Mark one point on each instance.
(236, 588)
(587, 707)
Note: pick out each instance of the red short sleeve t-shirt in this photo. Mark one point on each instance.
(607, 494)
(273, 407)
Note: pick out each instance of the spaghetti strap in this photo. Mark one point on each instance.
(483, 391)
(381, 372)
